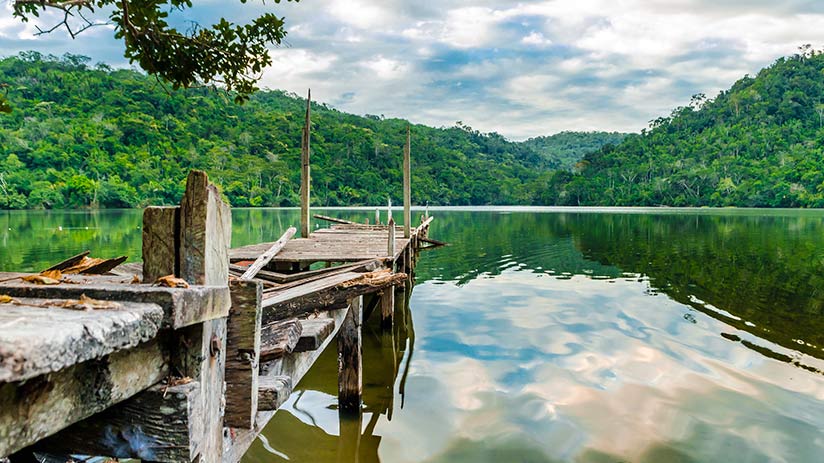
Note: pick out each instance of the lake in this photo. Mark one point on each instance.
(554, 335)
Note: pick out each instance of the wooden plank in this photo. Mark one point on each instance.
(161, 240)
(34, 409)
(279, 338)
(331, 292)
(70, 262)
(314, 333)
(335, 220)
(181, 306)
(243, 354)
(407, 185)
(267, 256)
(38, 337)
(294, 366)
(365, 266)
(350, 359)
(205, 233)
(426, 223)
(305, 175)
(273, 391)
(162, 424)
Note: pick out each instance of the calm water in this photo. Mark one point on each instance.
(546, 336)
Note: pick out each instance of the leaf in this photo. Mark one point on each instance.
(85, 264)
(170, 281)
(87, 303)
(40, 280)
(6, 299)
(53, 274)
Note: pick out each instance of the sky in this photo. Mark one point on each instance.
(519, 68)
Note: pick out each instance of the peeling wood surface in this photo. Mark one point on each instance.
(35, 339)
(314, 333)
(161, 236)
(243, 354)
(273, 392)
(279, 339)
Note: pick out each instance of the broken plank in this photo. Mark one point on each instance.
(70, 262)
(278, 339)
(313, 334)
(37, 337)
(365, 266)
(267, 256)
(334, 220)
(37, 408)
(182, 307)
(273, 391)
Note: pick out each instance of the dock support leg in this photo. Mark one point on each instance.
(387, 308)
(350, 358)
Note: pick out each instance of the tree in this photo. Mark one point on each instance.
(225, 53)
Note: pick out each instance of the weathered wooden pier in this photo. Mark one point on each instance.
(186, 356)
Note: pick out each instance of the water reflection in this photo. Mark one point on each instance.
(572, 337)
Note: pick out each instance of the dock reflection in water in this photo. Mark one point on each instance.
(593, 337)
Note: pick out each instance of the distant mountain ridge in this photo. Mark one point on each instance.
(569, 147)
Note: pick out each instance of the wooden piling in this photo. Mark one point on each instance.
(305, 177)
(350, 358)
(387, 308)
(407, 185)
(377, 216)
(243, 354)
(161, 240)
(390, 244)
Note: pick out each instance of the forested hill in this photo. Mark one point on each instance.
(759, 144)
(83, 135)
(567, 148)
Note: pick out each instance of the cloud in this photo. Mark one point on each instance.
(522, 69)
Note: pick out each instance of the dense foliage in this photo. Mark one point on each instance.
(567, 148)
(761, 143)
(82, 136)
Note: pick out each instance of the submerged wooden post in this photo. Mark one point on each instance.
(350, 358)
(387, 308)
(407, 185)
(305, 177)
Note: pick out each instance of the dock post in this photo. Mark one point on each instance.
(407, 186)
(243, 354)
(305, 177)
(387, 308)
(390, 243)
(350, 358)
(377, 216)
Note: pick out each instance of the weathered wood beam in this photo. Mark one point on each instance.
(390, 244)
(273, 392)
(182, 306)
(350, 359)
(34, 409)
(205, 233)
(279, 339)
(38, 337)
(267, 256)
(70, 262)
(433, 242)
(407, 185)
(162, 424)
(426, 222)
(161, 240)
(328, 293)
(314, 333)
(243, 354)
(365, 266)
(387, 309)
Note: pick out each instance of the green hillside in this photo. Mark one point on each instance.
(85, 136)
(567, 148)
(759, 144)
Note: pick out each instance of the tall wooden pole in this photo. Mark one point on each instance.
(407, 186)
(305, 178)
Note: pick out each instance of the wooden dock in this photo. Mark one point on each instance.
(187, 356)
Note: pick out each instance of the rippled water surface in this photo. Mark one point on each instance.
(557, 336)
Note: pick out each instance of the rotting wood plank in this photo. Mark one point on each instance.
(162, 424)
(161, 240)
(326, 293)
(267, 256)
(334, 220)
(365, 266)
(34, 409)
(279, 339)
(294, 366)
(182, 306)
(273, 391)
(243, 354)
(313, 334)
(38, 337)
(70, 262)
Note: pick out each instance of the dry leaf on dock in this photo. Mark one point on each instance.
(135, 280)
(87, 303)
(170, 281)
(6, 299)
(53, 274)
(40, 280)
